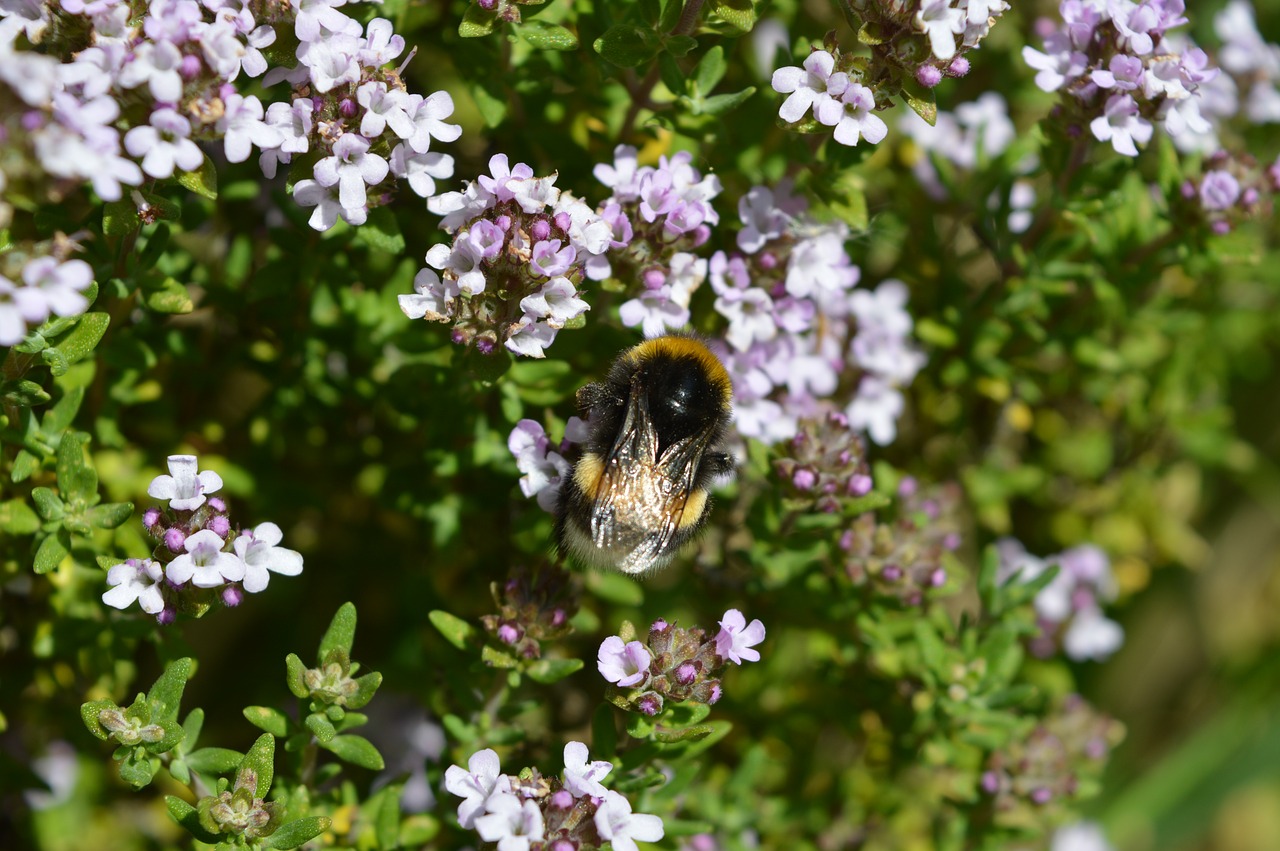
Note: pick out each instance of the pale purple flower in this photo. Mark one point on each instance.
(184, 487)
(135, 580)
(383, 44)
(1092, 635)
(429, 116)
(18, 307)
(480, 783)
(432, 297)
(1219, 190)
(498, 182)
(941, 22)
(60, 285)
(309, 193)
(1124, 73)
(156, 64)
(1122, 125)
(463, 260)
(541, 468)
(242, 127)
(253, 62)
(204, 563)
(736, 638)
(622, 176)
(351, 167)
(624, 664)
(293, 123)
(549, 259)
(619, 826)
(655, 311)
(531, 338)
(259, 552)
(535, 194)
(582, 777)
(875, 409)
(384, 107)
(332, 61)
(762, 219)
(421, 171)
(163, 144)
(313, 15)
(556, 303)
(750, 315)
(511, 823)
(806, 86)
(1062, 64)
(857, 118)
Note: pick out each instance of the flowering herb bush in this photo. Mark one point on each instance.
(313, 284)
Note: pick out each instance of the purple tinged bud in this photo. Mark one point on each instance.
(1188, 189)
(958, 67)
(1221, 228)
(563, 221)
(484, 345)
(317, 104)
(503, 223)
(32, 120)
(220, 525)
(558, 617)
(508, 634)
(1095, 748)
(928, 76)
(859, 484)
(653, 278)
(232, 596)
(907, 487)
(348, 108)
(990, 782)
(703, 842)
(562, 800)
(649, 704)
(892, 573)
(700, 235)
(686, 673)
(487, 5)
(1249, 198)
(951, 541)
(173, 539)
(767, 260)
(846, 540)
(216, 503)
(150, 518)
(938, 578)
(540, 230)
(564, 845)
(166, 616)
(931, 509)
(458, 336)
(804, 479)
(226, 90)
(1041, 795)
(190, 67)
(716, 694)
(658, 626)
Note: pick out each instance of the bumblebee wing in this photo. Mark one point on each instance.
(674, 479)
(625, 475)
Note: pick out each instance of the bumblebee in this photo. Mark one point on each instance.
(640, 488)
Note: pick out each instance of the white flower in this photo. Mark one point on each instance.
(184, 487)
(429, 116)
(582, 777)
(617, 824)
(431, 299)
(309, 193)
(511, 824)
(531, 338)
(135, 579)
(809, 86)
(156, 64)
(242, 124)
(384, 106)
(204, 563)
(331, 61)
(1122, 125)
(1081, 836)
(351, 167)
(556, 303)
(942, 23)
(857, 118)
(876, 409)
(480, 783)
(163, 144)
(258, 551)
(60, 286)
(1092, 635)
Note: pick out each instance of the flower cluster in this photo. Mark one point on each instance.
(837, 99)
(532, 812)
(1124, 75)
(542, 467)
(1061, 755)
(675, 663)
(198, 555)
(656, 216)
(1069, 608)
(1251, 60)
(511, 275)
(1231, 189)
(825, 463)
(39, 287)
(240, 810)
(533, 606)
(905, 558)
(169, 73)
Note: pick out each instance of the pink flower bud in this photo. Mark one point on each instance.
(232, 596)
(173, 539)
(540, 230)
(150, 518)
(928, 76)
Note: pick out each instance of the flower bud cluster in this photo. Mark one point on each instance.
(573, 812)
(42, 282)
(675, 663)
(239, 811)
(825, 464)
(1252, 65)
(533, 606)
(199, 556)
(1231, 189)
(905, 558)
(520, 249)
(1054, 764)
(1122, 72)
(1069, 608)
(543, 467)
(169, 75)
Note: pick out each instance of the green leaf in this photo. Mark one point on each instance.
(454, 629)
(932, 650)
(491, 103)
(110, 515)
(381, 233)
(687, 734)
(640, 726)
(604, 735)
(679, 45)
(76, 478)
(214, 761)
(48, 503)
(296, 833)
(203, 181)
(180, 771)
(187, 816)
(547, 671)
(671, 75)
(120, 218)
(138, 768)
(710, 70)
(341, 633)
(320, 727)
(988, 587)
(476, 22)
(268, 719)
(17, 518)
(366, 687)
(294, 670)
(627, 45)
(56, 361)
(720, 104)
(547, 36)
(616, 588)
(166, 295)
(89, 713)
(739, 14)
(356, 750)
(261, 759)
(157, 242)
(53, 549)
(925, 106)
(166, 694)
(83, 338)
(173, 736)
(496, 658)
(24, 393)
(59, 417)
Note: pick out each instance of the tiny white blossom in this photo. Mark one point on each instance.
(204, 563)
(135, 579)
(582, 777)
(618, 825)
(184, 487)
(258, 551)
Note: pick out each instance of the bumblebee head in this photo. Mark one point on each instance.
(687, 390)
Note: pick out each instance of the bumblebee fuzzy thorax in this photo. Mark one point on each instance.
(639, 490)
